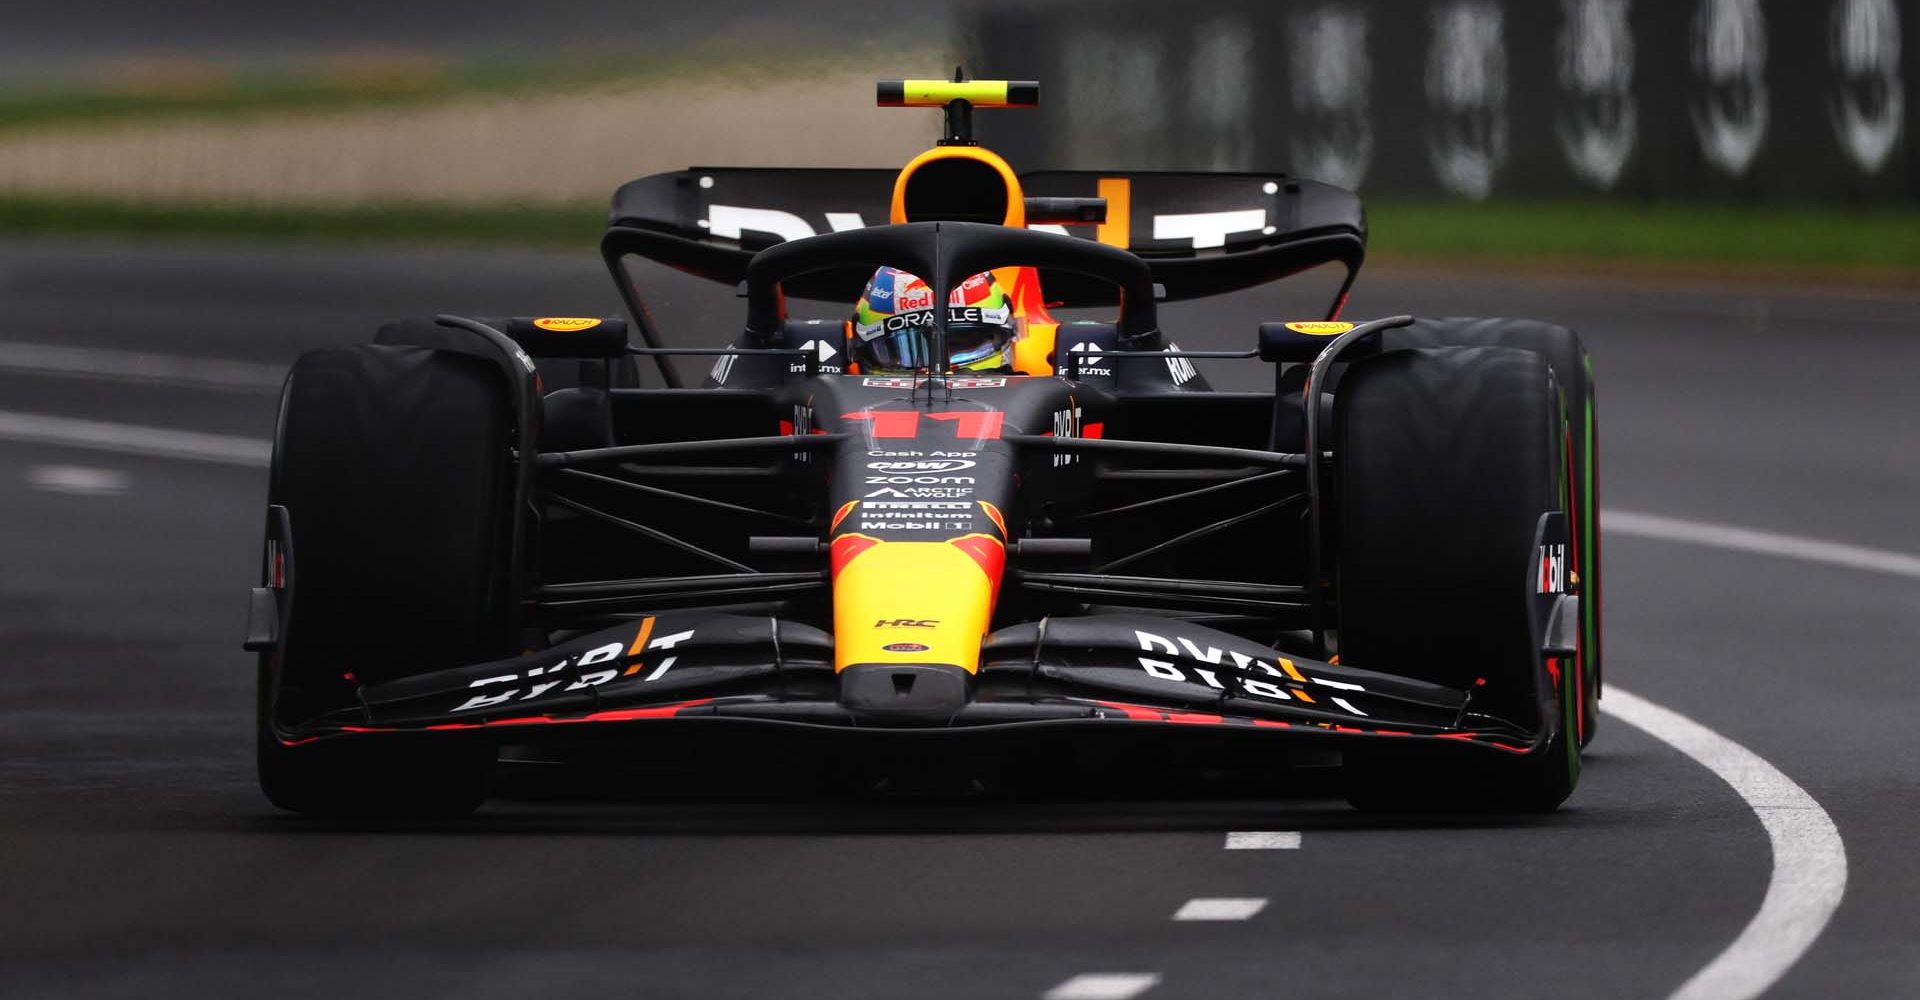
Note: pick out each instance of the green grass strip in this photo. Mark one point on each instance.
(1881, 240)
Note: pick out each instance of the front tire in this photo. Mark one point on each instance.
(392, 463)
(1573, 369)
(1447, 459)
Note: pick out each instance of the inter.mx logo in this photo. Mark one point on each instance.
(822, 349)
(1091, 361)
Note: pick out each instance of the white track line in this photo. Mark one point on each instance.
(77, 480)
(1104, 986)
(1220, 908)
(1809, 861)
(133, 439)
(1766, 543)
(1263, 840)
(140, 366)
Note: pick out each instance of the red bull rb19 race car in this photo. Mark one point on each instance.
(486, 532)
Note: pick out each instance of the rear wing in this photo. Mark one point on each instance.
(1201, 233)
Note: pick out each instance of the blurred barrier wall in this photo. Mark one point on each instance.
(1784, 101)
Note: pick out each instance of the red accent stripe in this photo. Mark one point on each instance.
(613, 715)
(987, 551)
(652, 712)
(846, 548)
(841, 515)
(1139, 712)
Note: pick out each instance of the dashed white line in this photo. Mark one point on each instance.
(77, 480)
(134, 439)
(1104, 986)
(1766, 543)
(1220, 908)
(140, 366)
(1263, 840)
(1809, 860)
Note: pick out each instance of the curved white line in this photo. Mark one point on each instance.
(1809, 861)
(1766, 543)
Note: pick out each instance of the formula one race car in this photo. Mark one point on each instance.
(484, 532)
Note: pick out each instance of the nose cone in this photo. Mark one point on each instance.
(910, 603)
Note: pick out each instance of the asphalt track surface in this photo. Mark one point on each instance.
(138, 859)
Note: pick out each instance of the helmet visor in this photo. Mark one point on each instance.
(904, 342)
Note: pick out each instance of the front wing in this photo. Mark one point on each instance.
(1108, 671)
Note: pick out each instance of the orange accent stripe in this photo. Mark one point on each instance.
(1118, 229)
(639, 643)
(1292, 671)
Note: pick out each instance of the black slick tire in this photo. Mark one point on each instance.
(1446, 460)
(392, 463)
(1573, 369)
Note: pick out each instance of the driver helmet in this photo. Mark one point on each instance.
(893, 324)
